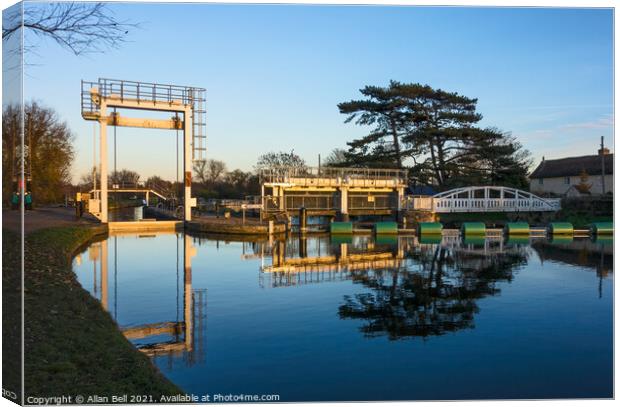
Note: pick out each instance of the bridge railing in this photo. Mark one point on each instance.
(162, 191)
(250, 202)
(492, 205)
(479, 199)
(126, 185)
(141, 91)
(285, 174)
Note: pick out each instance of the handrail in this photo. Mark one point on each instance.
(283, 173)
(145, 93)
(509, 200)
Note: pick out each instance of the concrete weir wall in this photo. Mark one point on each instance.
(145, 226)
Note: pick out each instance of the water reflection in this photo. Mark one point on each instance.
(593, 254)
(183, 336)
(321, 307)
(329, 259)
(318, 259)
(438, 296)
(413, 288)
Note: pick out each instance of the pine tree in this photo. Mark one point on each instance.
(436, 133)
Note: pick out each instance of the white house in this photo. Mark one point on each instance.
(564, 175)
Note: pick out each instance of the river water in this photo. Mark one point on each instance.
(361, 319)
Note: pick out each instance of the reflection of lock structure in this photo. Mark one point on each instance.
(181, 332)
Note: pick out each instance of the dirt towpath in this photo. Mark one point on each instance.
(41, 218)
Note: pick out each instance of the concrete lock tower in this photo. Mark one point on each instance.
(187, 104)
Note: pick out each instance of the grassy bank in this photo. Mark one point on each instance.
(72, 345)
(11, 314)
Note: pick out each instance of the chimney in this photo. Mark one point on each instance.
(603, 151)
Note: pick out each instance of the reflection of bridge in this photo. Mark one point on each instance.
(483, 199)
(482, 246)
(183, 336)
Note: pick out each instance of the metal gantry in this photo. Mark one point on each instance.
(186, 103)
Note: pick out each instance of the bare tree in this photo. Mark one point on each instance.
(215, 170)
(200, 169)
(124, 176)
(78, 27)
(337, 158)
(86, 180)
(280, 159)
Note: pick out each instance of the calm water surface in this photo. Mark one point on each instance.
(359, 319)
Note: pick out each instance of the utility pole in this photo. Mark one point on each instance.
(603, 164)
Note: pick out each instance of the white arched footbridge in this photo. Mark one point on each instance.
(483, 199)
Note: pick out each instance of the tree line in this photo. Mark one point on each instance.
(48, 154)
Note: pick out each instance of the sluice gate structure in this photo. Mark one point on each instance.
(332, 191)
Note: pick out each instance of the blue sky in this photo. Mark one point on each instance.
(274, 74)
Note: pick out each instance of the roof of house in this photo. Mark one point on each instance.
(571, 166)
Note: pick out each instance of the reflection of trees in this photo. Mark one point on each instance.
(438, 297)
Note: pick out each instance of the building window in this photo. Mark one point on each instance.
(567, 180)
(540, 181)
